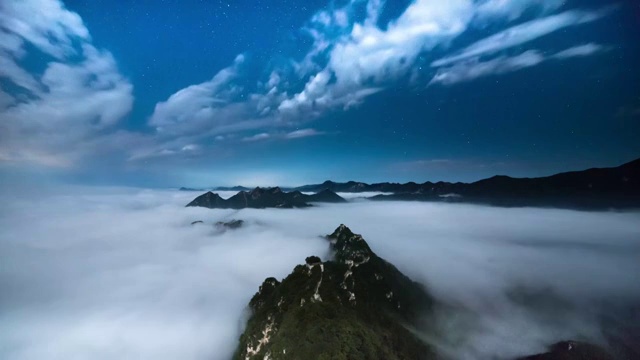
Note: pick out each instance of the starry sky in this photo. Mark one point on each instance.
(255, 92)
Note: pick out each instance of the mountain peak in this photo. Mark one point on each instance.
(349, 248)
(341, 230)
(208, 199)
(257, 192)
(635, 164)
(326, 195)
(322, 308)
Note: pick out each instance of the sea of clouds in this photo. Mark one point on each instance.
(119, 273)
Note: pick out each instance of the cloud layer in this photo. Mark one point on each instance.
(121, 273)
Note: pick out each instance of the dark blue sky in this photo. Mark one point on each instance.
(196, 93)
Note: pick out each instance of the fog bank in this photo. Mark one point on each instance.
(122, 273)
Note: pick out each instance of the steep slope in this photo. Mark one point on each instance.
(260, 198)
(572, 350)
(354, 306)
(208, 200)
(326, 195)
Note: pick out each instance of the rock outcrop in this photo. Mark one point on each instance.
(353, 306)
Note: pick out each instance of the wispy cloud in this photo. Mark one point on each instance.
(297, 134)
(257, 137)
(580, 50)
(521, 34)
(302, 133)
(474, 68)
(488, 10)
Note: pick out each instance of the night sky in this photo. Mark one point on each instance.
(202, 93)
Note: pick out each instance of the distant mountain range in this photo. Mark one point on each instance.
(617, 187)
(597, 188)
(260, 198)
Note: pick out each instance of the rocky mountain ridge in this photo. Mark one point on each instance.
(353, 306)
(260, 198)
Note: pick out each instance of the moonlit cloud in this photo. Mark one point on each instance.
(472, 69)
(257, 137)
(302, 133)
(57, 118)
(488, 10)
(367, 57)
(46, 24)
(121, 273)
(197, 103)
(370, 52)
(297, 134)
(580, 50)
(521, 34)
(314, 93)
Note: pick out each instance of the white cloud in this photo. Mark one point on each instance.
(302, 133)
(72, 103)
(580, 50)
(274, 80)
(44, 23)
(370, 53)
(219, 107)
(358, 64)
(120, 273)
(488, 10)
(314, 93)
(374, 8)
(190, 147)
(369, 57)
(297, 134)
(341, 18)
(197, 103)
(473, 68)
(257, 137)
(322, 17)
(520, 34)
(11, 49)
